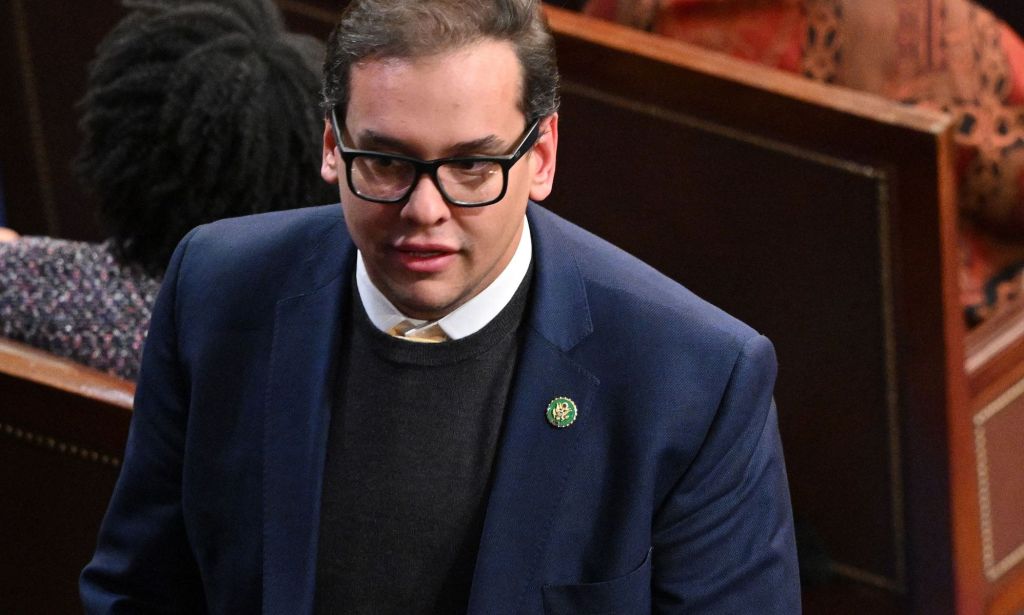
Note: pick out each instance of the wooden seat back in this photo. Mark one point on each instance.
(63, 428)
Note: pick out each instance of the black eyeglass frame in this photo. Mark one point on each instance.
(430, 167)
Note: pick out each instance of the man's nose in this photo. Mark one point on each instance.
(425, 205)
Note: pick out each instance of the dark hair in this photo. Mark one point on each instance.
(197, 111)
(371, 29)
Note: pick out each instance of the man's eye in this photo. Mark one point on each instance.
(473, 166)
(382, 164)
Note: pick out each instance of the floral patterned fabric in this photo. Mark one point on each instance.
(76, 300)
(946, 54)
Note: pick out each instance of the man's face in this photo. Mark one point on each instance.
(426, 256)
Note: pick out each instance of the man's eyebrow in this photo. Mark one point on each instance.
(491, 145)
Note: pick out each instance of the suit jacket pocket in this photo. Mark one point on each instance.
(622, 596)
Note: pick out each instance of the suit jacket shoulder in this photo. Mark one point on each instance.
(240, 267)
(628, 302)
(264, 248)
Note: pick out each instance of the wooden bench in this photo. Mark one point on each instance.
(62, 433)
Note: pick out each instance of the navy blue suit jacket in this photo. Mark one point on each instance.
(668, 493)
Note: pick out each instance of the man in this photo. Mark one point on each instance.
(583, 436)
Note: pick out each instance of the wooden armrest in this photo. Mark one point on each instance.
(34, 365)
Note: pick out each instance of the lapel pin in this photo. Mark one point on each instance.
(561, 412)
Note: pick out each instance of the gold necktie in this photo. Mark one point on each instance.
(406, 330)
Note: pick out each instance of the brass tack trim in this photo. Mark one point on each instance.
(993, 569)
(58, 446)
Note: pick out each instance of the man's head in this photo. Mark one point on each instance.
(375, 29)
(436, 79)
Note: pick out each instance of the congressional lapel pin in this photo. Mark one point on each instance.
(561, 412)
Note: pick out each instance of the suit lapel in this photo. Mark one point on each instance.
(535, 458)
(297, 414)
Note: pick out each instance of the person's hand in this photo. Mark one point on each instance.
(7, 234)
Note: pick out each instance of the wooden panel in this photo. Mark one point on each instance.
(999, 450)
(314, 17)
(995, 367)
(44, 50)
(62, 433)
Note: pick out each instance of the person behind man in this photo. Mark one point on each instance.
(194, 111)
(439, 397)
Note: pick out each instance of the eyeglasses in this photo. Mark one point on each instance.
(465, 181)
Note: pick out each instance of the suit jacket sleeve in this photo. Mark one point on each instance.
(143, 562)
(724, 539)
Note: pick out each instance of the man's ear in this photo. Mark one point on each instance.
(329, 167)
(543, 159)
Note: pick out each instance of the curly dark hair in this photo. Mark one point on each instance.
(374, 29)
(196, 111)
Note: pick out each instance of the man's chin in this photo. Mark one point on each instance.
(427, 304)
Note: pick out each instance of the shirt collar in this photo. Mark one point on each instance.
(469, 317)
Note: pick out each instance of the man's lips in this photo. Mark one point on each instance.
(423, 257)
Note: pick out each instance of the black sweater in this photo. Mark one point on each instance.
(412, 440)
